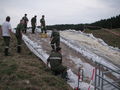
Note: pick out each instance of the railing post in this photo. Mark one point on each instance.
(95, 77)
(100, 79)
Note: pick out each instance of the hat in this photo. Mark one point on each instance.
(25, 14)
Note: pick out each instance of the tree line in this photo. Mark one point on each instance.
(66, 27)
(113, 22)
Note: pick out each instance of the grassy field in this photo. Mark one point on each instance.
(116, 30)
(26, 72)
(108, 37)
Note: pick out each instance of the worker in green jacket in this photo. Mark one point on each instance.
(19, 29)
(55, 39)
(25, 23)
(43, 24)
(33, 23)
(55, 60)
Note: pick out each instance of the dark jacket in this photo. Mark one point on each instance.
(25, 19)
(33, 20)
(19, 29)
(42, 21)
(55, 35)
(55, 60)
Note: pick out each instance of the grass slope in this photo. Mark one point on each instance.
(108, 37)
(26, 72)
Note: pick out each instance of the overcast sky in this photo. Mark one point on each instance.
(59, 11)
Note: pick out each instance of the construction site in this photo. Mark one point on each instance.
(60, 45)
(92, 64)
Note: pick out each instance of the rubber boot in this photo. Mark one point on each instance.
(33, 31)
(19, 49)
(6, 52)
(65, 75)
(53, 46)
(25, 31)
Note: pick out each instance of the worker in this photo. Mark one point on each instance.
(43, 24)
(25, 23)
(19, 29)
(55, 39)
(55, 60)
(6, 30)
(33, 23)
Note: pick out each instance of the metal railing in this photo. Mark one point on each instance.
(101, 79)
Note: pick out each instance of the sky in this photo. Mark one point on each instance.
(59, 11)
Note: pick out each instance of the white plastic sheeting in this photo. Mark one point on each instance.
(91, 47)
(38, 51)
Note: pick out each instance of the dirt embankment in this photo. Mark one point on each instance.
(26, 72)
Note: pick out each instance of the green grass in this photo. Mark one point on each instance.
(116, 30)
(108, 37)
(26, 72)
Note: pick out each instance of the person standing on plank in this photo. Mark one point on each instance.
(33, 23)
(19, 29)
(43, 24)
(6, 30)
(25, 24)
